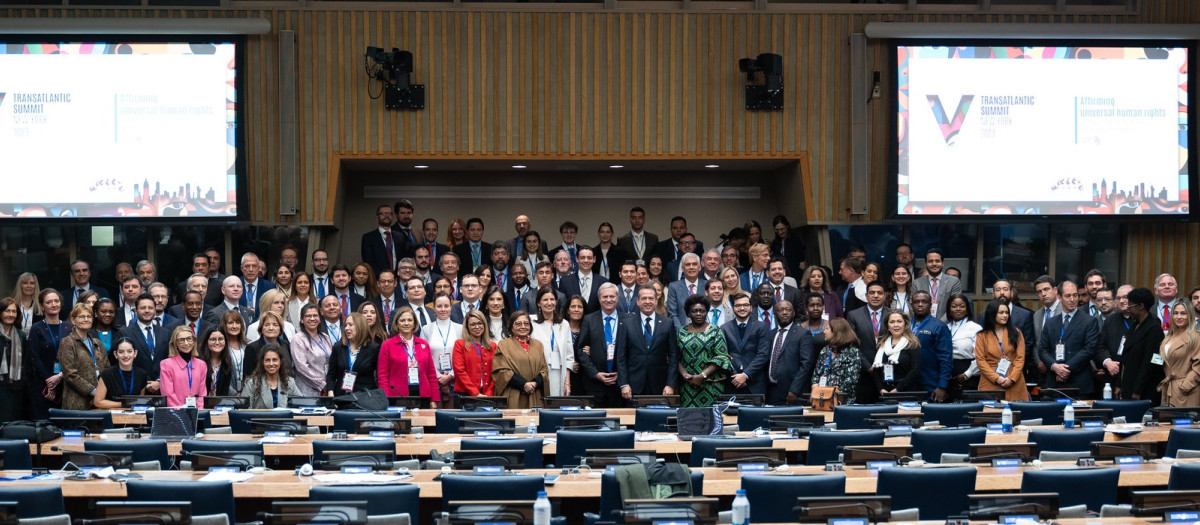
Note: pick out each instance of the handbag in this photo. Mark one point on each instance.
(824, 397)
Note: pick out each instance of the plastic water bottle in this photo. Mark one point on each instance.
(1006, 419)
(1107, 391)
(1069, 416)
(741, 508)
(541, 509)
(532, 429)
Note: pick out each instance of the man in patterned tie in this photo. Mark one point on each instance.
(791, 358)
(1166, 290)
(595, 350)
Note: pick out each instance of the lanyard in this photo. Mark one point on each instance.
(446, 336)
(129, 387)
(317, 342)
(482, 377)
(828, 361)
(960, 324)
(1001, 343)
(188, 367)
(410, 350)
(55, 340)
(552, 337)
(917, 327)
(1126, 321)
(91, 351)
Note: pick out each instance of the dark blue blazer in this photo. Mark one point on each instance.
(591, 335)
(793, 370)
(646, 369)
(68, 296)
(937, 352)
(147, 358)
(260, 287)
(1082, 341)
(375, 253)
(570, 286)
(751, 355)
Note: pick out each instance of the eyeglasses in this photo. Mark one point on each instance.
(186, 339)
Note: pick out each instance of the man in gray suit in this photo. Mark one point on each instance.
(638, 242)
(1051, 306)
(939, 285)
(678, 291)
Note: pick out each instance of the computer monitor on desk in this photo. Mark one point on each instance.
(470, 425)
(409, 402)
(820, 509)
(567, 401)
(227, 402)
(591, 423)
(1159, 502)
(971, 396)
(863, 454)
(376, 459)
(479, 512)
(484, 403)
(1055, 394)
(1110, 450)
(777, 423)
(270, 424)
(986, 452)
(221, 458)
(147, 401)
(311, 402)
(696, 511)
(733, 456)
(108, 458)
(754, 400)
(603, 457)
(984, 418)
(312, 512)
(892, 398)
(509, 459)
(86, 424)
(1170, 414)
(886, 421)
(368, 424)
(654, 401)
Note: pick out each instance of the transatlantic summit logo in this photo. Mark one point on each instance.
(950, 126)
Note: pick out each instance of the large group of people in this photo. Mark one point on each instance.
(525, 317)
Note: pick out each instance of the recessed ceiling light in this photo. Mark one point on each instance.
(712, 166)
(616, 166)
(519, 166)
(420, 166)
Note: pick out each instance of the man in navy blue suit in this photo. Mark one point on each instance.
(150, 341)
(647, 359)
(1068, 342)
(81, 277)
(252, 286)
(748, 341)
(381, 245)
(584, 282)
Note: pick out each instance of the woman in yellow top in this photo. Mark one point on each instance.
(1180, 351)
(1000, 354)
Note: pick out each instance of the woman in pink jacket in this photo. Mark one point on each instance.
(405, 361)
(183, 374)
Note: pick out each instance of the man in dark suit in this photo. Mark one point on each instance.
(151, 342)
(252, 286)
(381, 245)
(937, 354)
(544, 276)
(231, 293)
(472, 298)
(1114, 331)
(200, 266)
(674, 269)
(473, 252)
(429, 232)
(609, 256)
(776, 271)
(1141, 363)
(161, 296)
(584, 282)
(868, 322)
(388, 300)
(347, 298)
(789, 366)
(939, 285)
(638, 242)
(854, 295)
(596, 349)
(647, 359)
(749, 344)
(332, 321)
(405, 237)
(131, 289)
(517, 287)
(669, 250)
(198, 283)
(448, 268)
(192, 315)
(627, 288)
(416, 301)
(568, 231)
(81, 277)
(1051, 306)
(1068, 342)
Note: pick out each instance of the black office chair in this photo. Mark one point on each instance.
(1184, 476)
(1182, 438)
(854, 417)
(653, 419)
(466, 487)
(446, 421)
(610, 497)
(949, 414)
(531, 446)
(767, 494)
(16, 454)
(910, 489)
(382, 500)
(750, 418)
(143, 449)
(707, 447)
(239, 420)
(34, 501)
(212, 497)
(343, 420)
(932, 443)
(550, 421)
(1050, 412)
(1093, 487)
(1077, 440)
(574, 444)
(824, 446)
(1130, 409)
(105, 414)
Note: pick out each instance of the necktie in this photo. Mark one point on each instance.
(470, 307)
(741, 330)
(778, 294)
(250, 295)
(345, 305)
(1166, 316)
(608, 337)
(678, 253)
(1047, 318)
(474, 255)
(715, 315)
(875, 321)
(157, 322)
(1067, 320)
(421, 312)
(429, 246)
(639, 244)
(77, 292)
(585, 288)
(776, 351)
(628, 300)
(755, 279)
(391, 248)
(649, 332)
(517, 294)
(321, 287)
(408, 233)
(500, 280)
(387, 309)
(574, 264)
(1092, 310)
(933, 286)
(767, 319)
(150, 337)
(691, 288)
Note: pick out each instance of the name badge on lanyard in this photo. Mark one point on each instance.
(1060, 352)
(348, 381)
(1121, 347)
(413, 378)
(444, 361)
(611, 351)
(1003, 366)
(555, 357)
(889, 372)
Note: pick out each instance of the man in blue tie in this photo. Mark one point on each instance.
(646, 360)
(719, 311)
(321, 278)
(749, 344)
(473, 252)
(596, 349)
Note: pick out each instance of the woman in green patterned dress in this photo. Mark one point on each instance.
(703, 356)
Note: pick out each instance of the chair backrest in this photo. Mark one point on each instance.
(1065, 440)
(574, 444)
(552, 420)
(208, 497)
(1184, 476)
(653, 419)
(772, 497)
(610, 494)
(854, 417)
(239, 420)
(914, 488)
(343, 420)
(211, 445)
(34, 501)
(1131, 409)
(931, 444)
(16, 454)
(707, 447)
(322, 447)
(104, 414)
(1093, 486)
(1178, 438)
(463, 487)
(446, 421)
(531, 446)
(1050, 412)
(949, 414)
(823, 446)
(381, 499)
(143, 449)
(750, 418)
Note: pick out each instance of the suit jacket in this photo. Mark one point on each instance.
(529, 301)
(665, 249)
(147, 358)
(1112, 330)
(792, 295)
(860, 321)
(591, 335)
(793, 369)
(68, 295)
(616, 256)
(793, 250)
(1138, 374)
(623, 306)
(259, 393)
(176, 312)
(375, 252)
(1022, 319)
(436, 249)
(405, 240)
(364, 368)
(749, 355)
(646, 369)
(463, 251)
(201, 325)
(515, 242)
(850, 299)
(1082, 339)
(355, 299)
(1039, 320)
(430, 316)
(570, 286)
(260, 287)
(510, 297)
(214, 315)
(947, 285)
(456, 311)
(625, 242)
(455, 296)
(937, 354)
(392, 369)
(677, 293)
(747, 283)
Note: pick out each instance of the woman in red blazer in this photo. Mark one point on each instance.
(395, 376)
(473, 358)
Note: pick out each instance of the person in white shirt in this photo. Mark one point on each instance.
(320, 274)
(555, 335)
(441, 335)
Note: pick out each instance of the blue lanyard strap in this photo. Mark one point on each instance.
(188, 367)
(317, 343)
(129, 386)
